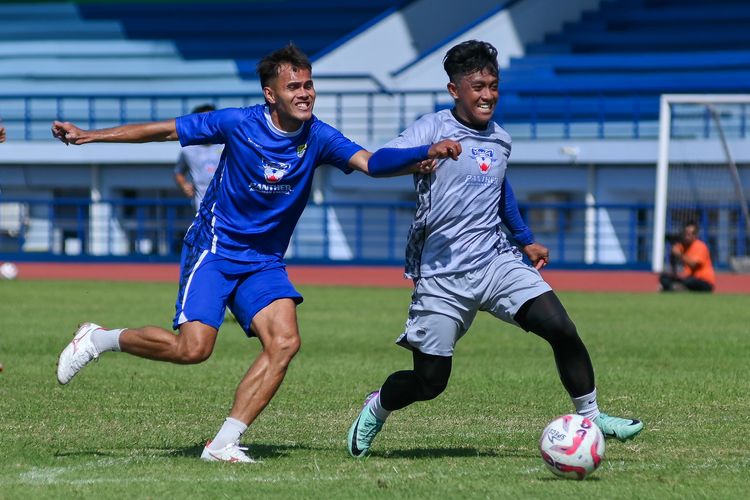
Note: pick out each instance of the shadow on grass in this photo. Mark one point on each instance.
(88, 453)
(453, 452)
(555, 478)
(258, 451)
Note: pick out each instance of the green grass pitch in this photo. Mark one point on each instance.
(131, 428)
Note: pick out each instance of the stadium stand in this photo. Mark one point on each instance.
(241, 31)
(615, 61)
(47, 47)
(609, 66)
(102, 44)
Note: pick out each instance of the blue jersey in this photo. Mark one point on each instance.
(263, 180)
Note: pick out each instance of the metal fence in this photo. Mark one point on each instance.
(578, 235)
(373, 117)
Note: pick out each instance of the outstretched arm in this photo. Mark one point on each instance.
(387, 162)
(140, 132)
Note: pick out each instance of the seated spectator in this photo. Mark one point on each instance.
(692, 255)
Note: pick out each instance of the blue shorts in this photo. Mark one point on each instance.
(210, 283)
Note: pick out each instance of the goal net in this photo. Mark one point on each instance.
(703, 176)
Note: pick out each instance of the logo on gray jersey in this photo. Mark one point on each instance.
(484, 158)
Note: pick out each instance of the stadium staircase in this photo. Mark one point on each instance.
(613, 63)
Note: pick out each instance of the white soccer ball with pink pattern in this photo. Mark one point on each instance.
(572, 446)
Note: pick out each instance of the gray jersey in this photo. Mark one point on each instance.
(199, 162)
(456, 226)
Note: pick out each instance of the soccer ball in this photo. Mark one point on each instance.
(572, 446)
(8, 271)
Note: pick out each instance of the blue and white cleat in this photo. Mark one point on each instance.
(364, 429)
(621, 429)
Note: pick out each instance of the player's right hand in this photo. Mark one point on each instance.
(188, 189)
(445, 149)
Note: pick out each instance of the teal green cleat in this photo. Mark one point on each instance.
(363, 430)
(622, 429)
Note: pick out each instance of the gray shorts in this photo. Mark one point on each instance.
(443, 307)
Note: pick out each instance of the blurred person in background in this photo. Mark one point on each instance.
(196, 165)
(690, 264)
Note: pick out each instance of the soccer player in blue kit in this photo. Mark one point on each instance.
(462, 262)
(233, 252)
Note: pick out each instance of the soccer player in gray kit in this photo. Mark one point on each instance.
(462, 262)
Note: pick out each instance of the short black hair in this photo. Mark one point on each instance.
(469, 57)
(269, 67)
(203, 108)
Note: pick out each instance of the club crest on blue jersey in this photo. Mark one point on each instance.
(301, 150)
(484, 157)
(274, 171)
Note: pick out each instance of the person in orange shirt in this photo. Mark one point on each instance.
(697, 270)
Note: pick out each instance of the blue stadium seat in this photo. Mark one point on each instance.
(615, 61)
(244, 31)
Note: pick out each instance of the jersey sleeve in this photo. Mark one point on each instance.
(511, 216)
(336, 149)
(422, 132)
(208, 128)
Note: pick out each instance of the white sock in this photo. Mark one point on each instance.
(377, 409)
(586, 405)
(107, 340)
(230, 432)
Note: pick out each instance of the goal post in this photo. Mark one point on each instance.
(708, 166)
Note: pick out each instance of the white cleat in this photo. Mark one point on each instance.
(78, 353)
(232, 452)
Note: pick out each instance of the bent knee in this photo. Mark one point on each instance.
(434, 390)
(556, 328)
(285, 346)
(195, 352)
(433, 387)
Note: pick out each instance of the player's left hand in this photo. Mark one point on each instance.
(443, 149)
(538, 254)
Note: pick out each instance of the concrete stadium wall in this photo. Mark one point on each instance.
(418, 36)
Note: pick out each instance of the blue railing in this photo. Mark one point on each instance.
(578, 235)
(374, 117)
